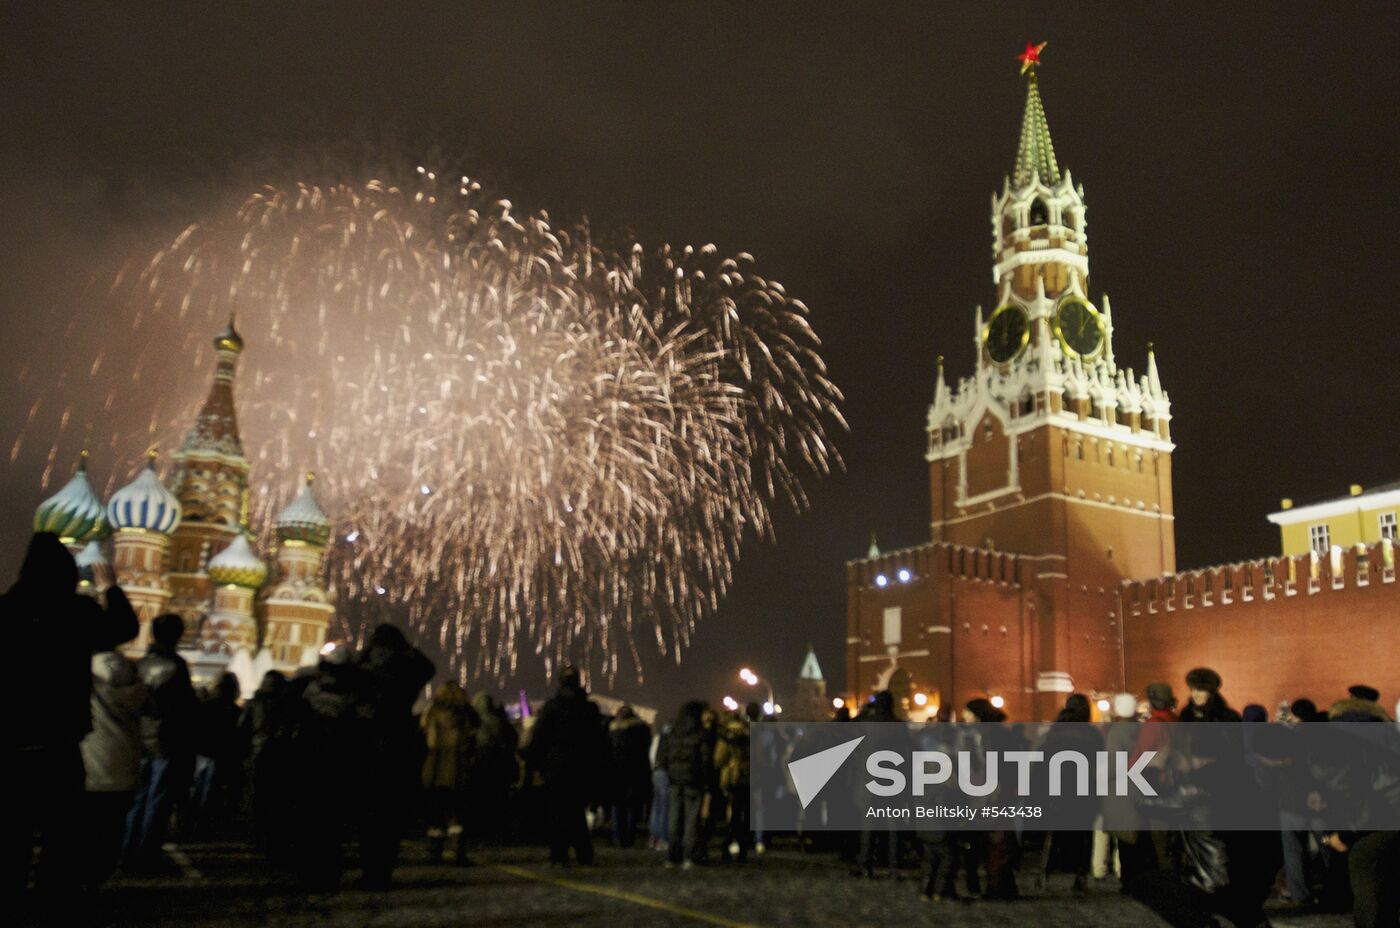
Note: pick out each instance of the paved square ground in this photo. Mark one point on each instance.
(227, 885)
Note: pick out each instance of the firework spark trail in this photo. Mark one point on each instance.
(535, 442)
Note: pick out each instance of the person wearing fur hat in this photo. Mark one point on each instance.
(1206, 705)
(1362, 706)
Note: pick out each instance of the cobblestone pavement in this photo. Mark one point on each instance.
(227, 885)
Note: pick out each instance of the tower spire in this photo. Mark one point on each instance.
(1035, 156)
(216, 428)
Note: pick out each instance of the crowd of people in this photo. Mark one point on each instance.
(119, 757)
(1167, 850)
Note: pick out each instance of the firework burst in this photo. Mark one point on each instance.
(530, 443)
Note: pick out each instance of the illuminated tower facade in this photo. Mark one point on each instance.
(295, 608)
(1049, 475)
(1051, 449)
(143, 516)
(210, 479)
(235, 573)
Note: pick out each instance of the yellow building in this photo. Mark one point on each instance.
(1361, 517)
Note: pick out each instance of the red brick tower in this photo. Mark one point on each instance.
(210, 480)
(1049, 475)
(1050, 449)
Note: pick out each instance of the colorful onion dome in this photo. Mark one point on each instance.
(229, 339)
(74, 513)
(144, 503)
(303, 519)
(238, 564)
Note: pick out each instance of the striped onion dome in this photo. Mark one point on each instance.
(144, 503)
(303, 519)
(74, 513)
(238, 564)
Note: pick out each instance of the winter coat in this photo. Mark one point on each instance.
(630, 743)
(57, 631)
(449, 731)
(568, 744)
(1153, 735)
(495, 763)
(732, 755)
(112, 750)
(169, 729)
(1083, 738)
(1219, 863)
(259, 723)
(1215, 710)
(393, 673)
(216, 730)
(690, 754)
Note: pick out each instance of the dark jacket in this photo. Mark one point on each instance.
(1230, 863)
(630, 741)
(495, 763)
(567, 743)
(57, 631)
(1215, 710)
(690, 753)
(169, 729)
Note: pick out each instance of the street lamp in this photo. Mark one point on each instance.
(750, 678)
(731, 704)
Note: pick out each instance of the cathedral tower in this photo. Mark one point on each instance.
(143, 515)
(295, 608)
(1050, 449)
(211, 482)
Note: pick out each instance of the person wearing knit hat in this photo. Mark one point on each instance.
(1206, 705)
(1362, 691)
(1161, 698)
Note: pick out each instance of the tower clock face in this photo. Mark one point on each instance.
(1007, 333)
(1078, 328)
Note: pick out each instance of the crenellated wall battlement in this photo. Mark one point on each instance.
(938, 558)
(1262, 580)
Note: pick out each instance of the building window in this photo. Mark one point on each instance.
(1389, 530)
(893, 623)
(1040, 214)
(1319, 538)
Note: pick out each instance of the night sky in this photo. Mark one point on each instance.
(1239, 164)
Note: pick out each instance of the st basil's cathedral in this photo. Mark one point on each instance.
(184, 545)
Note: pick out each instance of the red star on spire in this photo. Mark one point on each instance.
(1031, 56)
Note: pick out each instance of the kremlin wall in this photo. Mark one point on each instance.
(1051, 563)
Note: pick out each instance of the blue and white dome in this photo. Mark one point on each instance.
(74, 513)
(145, 504)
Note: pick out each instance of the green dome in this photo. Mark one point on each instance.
(303, 519)
(74, 513)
